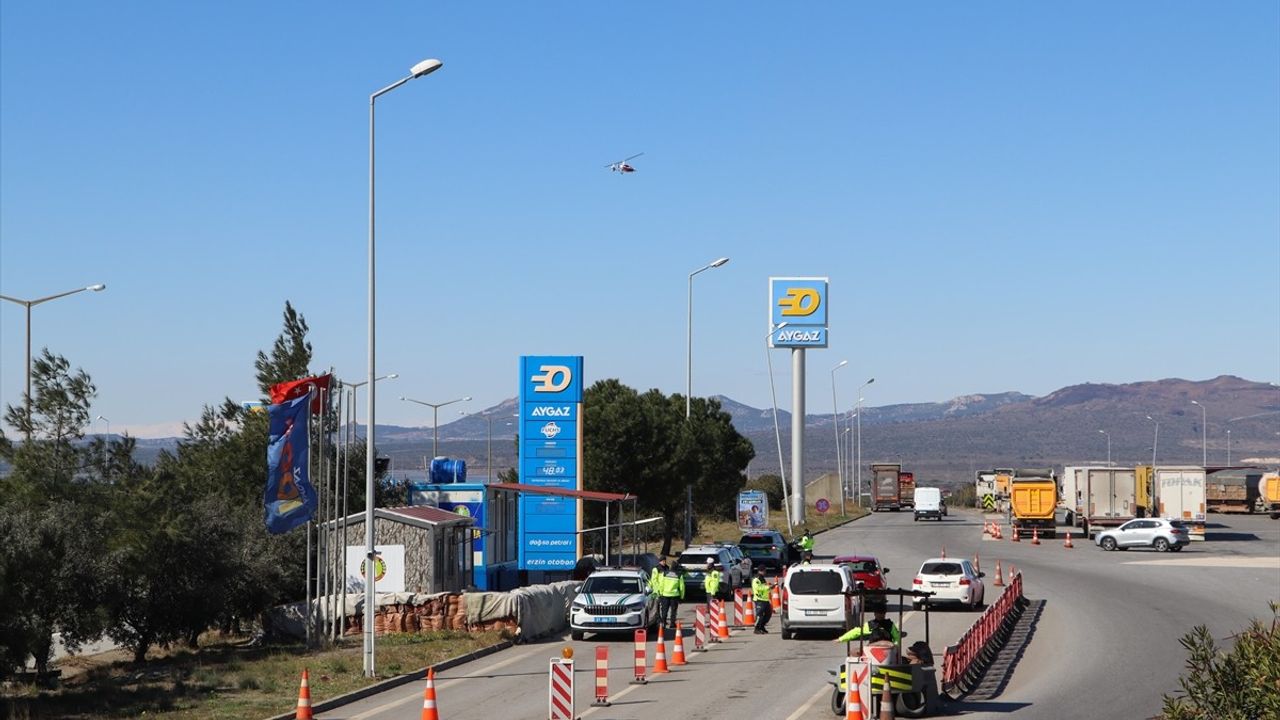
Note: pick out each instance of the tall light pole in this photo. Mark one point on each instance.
(1204, 437)
(835, 421)
(28, 304)
(844, 457)
(108, 422)
(858, 415)
(777, 431)
(356, 386)
(1104, 432)
(425, 67)
(435, 420)
(1154, 441)
(688, 384)
(1228, 447)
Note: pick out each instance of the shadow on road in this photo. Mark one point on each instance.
(994, 678)
(1228, 536)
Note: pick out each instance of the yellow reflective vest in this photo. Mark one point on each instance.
(760, 590)
(711, 583)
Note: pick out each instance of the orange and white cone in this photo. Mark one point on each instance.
(722, 622)
(1015, 535)
(944, 551)
(660, 656)
(852, 701)
(677, 651)
(999, 532)
(429, 711)
(749, 612)
(999, 581)
(886, 701)
(304, 698)
(775, 598)
(1035, 536)
(1068, 544)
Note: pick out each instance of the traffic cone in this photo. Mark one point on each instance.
(986, 528)
(944, 551)
(749, 613)
(775, 598)
(1015, 534)
(304, 698)
(1035, 536)
(677, 652)
(853, 701)
(999, 533)
(999, 581)
(1068, 544)
(660, 656)
(886, 701)
(429, 711)
(1012, 572)
(722, 622)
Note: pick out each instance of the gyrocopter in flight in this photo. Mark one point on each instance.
(622, 166)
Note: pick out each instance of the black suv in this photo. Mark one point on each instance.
(766, 548)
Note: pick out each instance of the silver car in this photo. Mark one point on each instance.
(1155, 533)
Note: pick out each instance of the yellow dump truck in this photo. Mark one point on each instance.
(1269, 494)
(1033, 495)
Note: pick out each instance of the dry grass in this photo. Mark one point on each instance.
(228, 679)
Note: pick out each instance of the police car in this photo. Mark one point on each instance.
(613, 600)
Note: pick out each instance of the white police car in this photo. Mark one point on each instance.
(613, 600)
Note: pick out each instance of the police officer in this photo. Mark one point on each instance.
(806, 542)
(656, 573)
(670, 593)
(876, 628)
(711, 581)
(764, 609)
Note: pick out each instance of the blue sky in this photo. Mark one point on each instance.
(996, 190)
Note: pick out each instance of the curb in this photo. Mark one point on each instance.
(846, 522)
(396, 681)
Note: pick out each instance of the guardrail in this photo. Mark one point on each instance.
(961, 660)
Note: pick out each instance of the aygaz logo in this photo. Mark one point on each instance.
(799, 302)
(553, 378)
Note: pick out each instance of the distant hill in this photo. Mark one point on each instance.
(947, 441)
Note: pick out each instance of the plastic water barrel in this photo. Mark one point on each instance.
(445, 470)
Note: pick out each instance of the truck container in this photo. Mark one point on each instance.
(1034, 499)
(1234, 490)
(1269, 494)
(1072, 484)
(907, 489)
(1110, 497)
(1180, 495)
(886, 494)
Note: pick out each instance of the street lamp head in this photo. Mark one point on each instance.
(426, 67)
(467, 398)
(1196, 402)
(1104, 432)
(393, 376)
(102, 418)
(1151, 418)
(97, 288)
(719, 262)
(403, 397)
(841, 364)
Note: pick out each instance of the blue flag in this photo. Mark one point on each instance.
(290, 500)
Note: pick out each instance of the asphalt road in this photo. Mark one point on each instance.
(1103, 643)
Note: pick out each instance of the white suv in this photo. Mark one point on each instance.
(694, 561)
(819, 596)
(613, 601)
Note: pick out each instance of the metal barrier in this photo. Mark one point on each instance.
(960, 659)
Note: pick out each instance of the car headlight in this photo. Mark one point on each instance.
(636, 606)
(579, 604)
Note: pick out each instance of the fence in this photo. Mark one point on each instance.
(961, 661)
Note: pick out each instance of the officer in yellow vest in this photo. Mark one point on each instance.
(760, 594)
(670, 593)
(711, 580)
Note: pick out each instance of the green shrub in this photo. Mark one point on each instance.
(1242, 684)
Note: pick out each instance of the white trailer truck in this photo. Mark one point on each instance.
(1180, 495)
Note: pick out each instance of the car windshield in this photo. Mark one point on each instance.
(697, 560)
(818, 582)
(862, 566)
(612, 584)
(941, 568)
(756, 540)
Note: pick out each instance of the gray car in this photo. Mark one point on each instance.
(1155, 533)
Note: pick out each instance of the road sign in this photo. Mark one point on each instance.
(822, 505)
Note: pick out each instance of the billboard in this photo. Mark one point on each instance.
(550, 447)
(801, 303)
(753, 510)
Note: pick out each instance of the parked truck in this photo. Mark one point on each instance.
(1072, 484)
(1110, 498)
(1180, 495)
(1233, 490)
(886, 493)
(985, 490)
(1033, 496)
(907, 489)
(1269, 494)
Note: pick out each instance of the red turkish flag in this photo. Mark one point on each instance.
(286, 391)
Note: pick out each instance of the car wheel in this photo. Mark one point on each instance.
(1108, 543)
(912, 704)
(837, 702)
(577, 635)
(1161, 545)
(915, 518)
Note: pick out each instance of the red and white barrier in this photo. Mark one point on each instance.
(602, 676)
(959, 659)
(699, 628)
(641, 640)
(739, 617)
(560, 701)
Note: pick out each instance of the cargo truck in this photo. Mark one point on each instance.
(985, 490)
(886, 493)
(907, 489)
(1180, 495)
(1033, 496)
(1072, 485)
(1269, 494)
(1234, 490)
(1110, 498)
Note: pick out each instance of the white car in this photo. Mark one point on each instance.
(820, 596)
(613, 601)
(950, 581)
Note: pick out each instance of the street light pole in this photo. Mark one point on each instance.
(688, 377)
(835, 421)
(777, 432)
(356, 386)
(1204, 436)
(435, 420)
(28, 304)
(1104, 432)
(108, 422)
(858, 415)
(1154, 442)
(425, 67)
(1228, 447)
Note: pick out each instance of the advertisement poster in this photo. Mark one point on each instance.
(753, 510)
(390, 565)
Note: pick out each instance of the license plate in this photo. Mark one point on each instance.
(940, 584)
(811, 613)
(605, 620)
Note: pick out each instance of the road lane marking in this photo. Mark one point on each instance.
(1229, 562)
(808, 703)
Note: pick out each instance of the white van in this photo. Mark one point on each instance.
(819, 596)
(929, 503)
